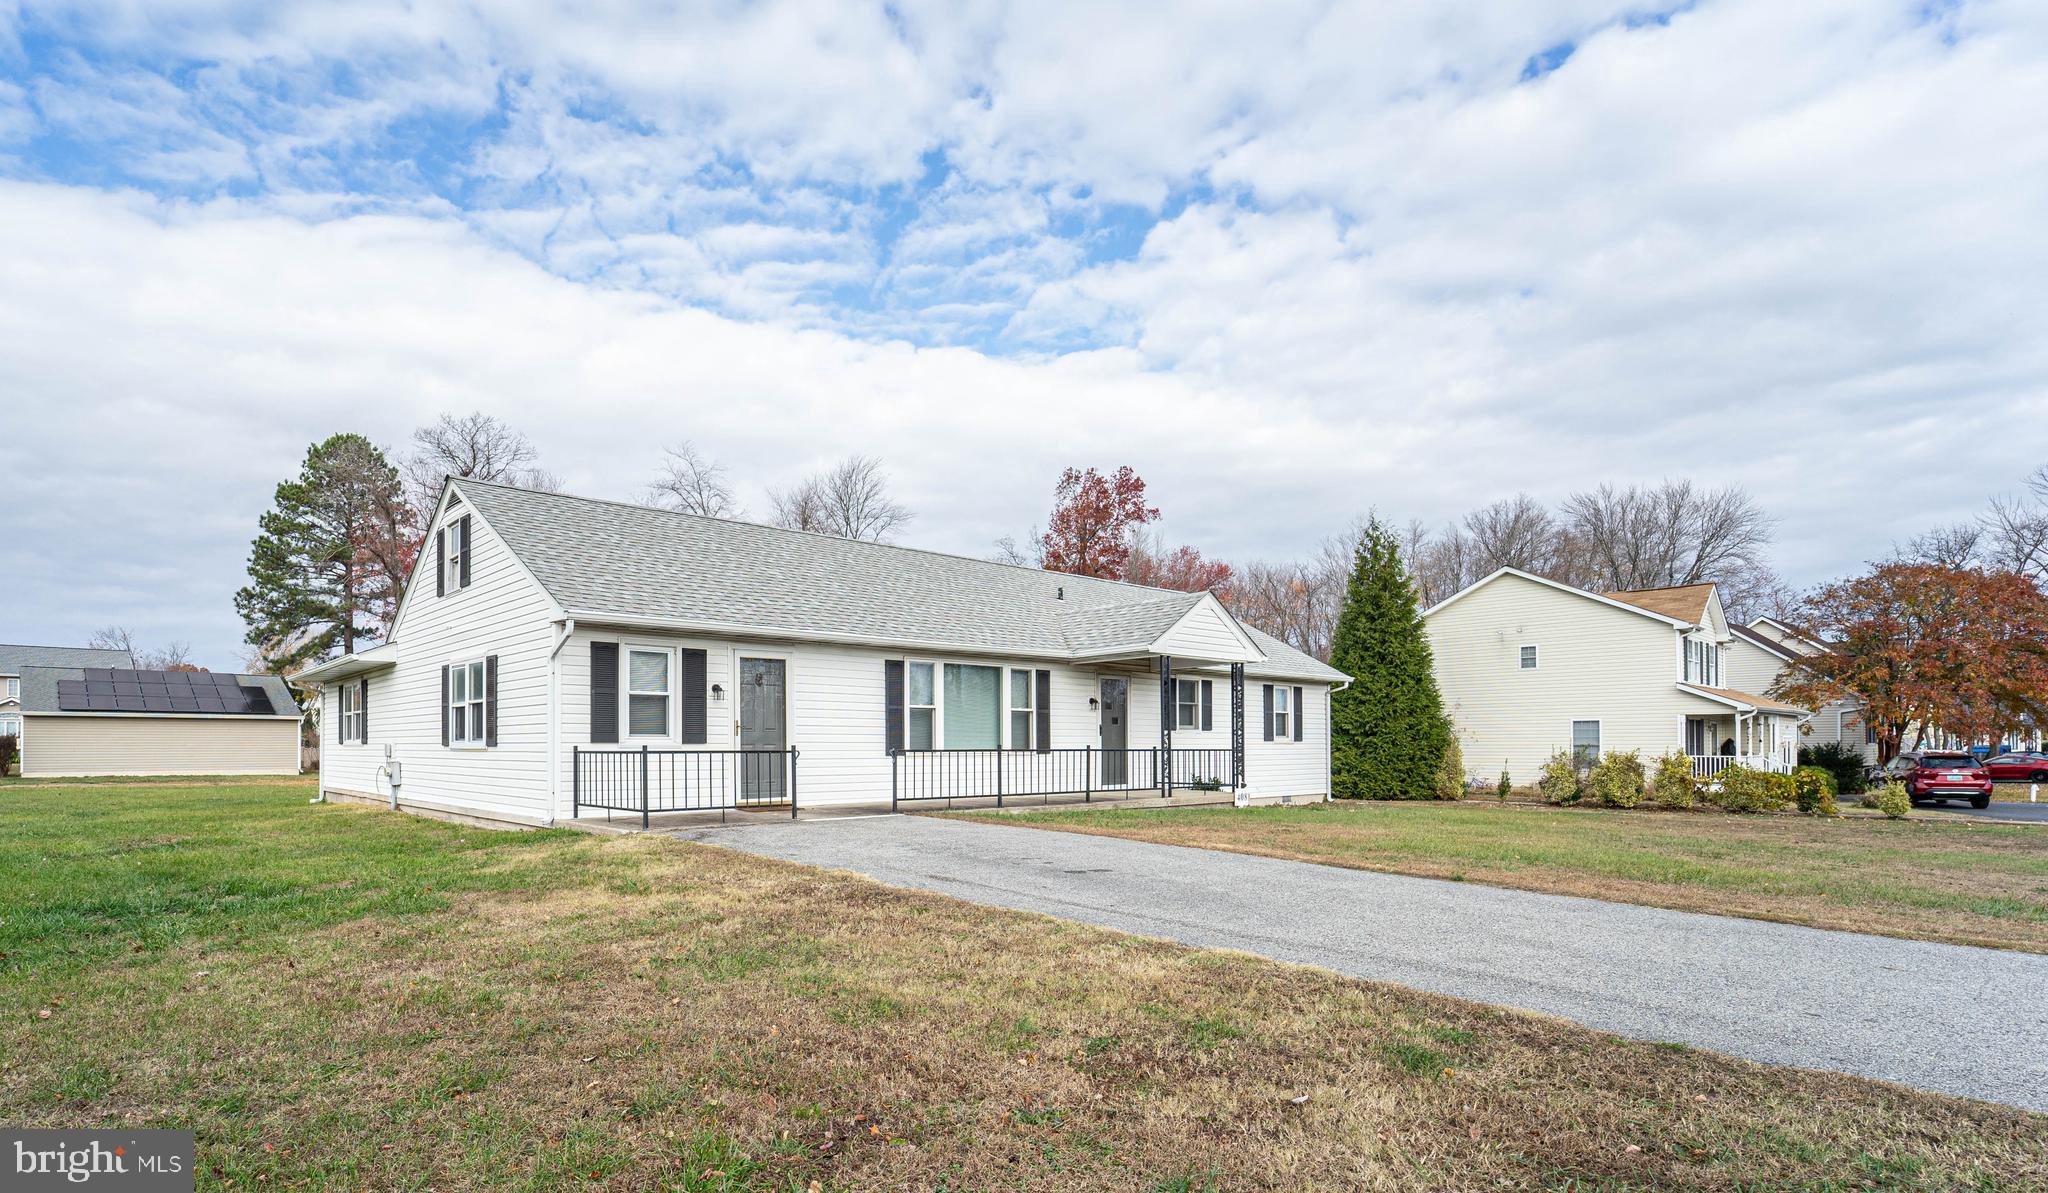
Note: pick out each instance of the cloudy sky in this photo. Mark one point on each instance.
(1290, 264)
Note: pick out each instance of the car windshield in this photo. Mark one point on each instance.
(1948, 761)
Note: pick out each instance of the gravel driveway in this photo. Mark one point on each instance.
(1941, 1017)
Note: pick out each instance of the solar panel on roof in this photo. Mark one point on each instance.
(108, 689)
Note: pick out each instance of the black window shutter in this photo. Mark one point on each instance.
(892, 705)
(1298, 717)
(444, 704)
(441, 562)
(1044, 712)
(1208, 696)
(604, 691)
(363, 704)
(468, 549)
(1268, 695)
(490, 698)
(692, 714)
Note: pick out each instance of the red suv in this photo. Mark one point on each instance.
(1944, 776)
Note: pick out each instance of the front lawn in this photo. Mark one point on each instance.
(342, 997)
(1964, 882)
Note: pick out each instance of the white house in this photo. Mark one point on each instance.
(558, 656)
(1529, 667)
(14, 660)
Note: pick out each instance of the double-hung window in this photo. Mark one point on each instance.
(458, 548)
(921, 693)
(1528, 658)
(1022, 720)
(1187, 704)
(352, 713)
(649, 692)
(1585, 743)
(465, 704)
(13, 688)
(1282, 725)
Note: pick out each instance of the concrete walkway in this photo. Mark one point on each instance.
(1957, 1020)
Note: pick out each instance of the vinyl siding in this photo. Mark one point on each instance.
(67, 745)
(1747, 667)
(1594, 662)
(502, 612)
(1204, 633)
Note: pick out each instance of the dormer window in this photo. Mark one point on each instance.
(453, 545)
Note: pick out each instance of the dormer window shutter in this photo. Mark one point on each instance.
(468, 549)
(441, 562)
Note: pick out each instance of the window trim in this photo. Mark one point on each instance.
(1599, 734)
(473, 698)
(1528, 658)
(1011, 708)
(670, 728)
(1283, 726)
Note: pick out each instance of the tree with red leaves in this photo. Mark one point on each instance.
(1924, 646)
(1093, 520)
(1182, 568)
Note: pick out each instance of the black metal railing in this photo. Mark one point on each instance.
(647, 780)
(929, 775)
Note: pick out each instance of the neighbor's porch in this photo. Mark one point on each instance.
(1760, 740)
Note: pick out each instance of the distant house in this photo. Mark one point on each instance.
(557, 656)
(1529, 667)
(14, 658)
(1760, 653)
(121, 721)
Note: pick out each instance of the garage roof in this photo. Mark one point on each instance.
(131, 692)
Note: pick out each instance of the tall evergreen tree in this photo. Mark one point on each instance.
(316, 574)
(1389, 732)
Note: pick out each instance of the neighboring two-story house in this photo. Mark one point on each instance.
(13, 659)
(1758, 657)
(1530, 667)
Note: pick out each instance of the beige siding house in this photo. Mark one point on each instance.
(1530, 668)
(122, 721)
(1763, 650)
(561, 658)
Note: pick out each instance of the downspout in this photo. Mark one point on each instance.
(1330, 741)
(564, 629)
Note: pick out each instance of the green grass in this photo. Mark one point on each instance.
(1967, 882)
(338, 997)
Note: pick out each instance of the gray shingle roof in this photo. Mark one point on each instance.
(604, 558)
(14, 658)
(39, 690)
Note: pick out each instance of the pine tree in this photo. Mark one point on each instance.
(1389, 732)
(315, 577)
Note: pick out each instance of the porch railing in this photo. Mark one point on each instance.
(1708, 766)
(917, 776)
(647, 781)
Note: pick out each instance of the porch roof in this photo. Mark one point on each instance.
(1744, 701)
(376, 658)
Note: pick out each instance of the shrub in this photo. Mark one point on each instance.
(1892, 800)
(1814, 790)
(1505, 787)
(1617, 779)
(1840, 759)
(10, 749)
(1746, 789)
(1450, 773)
(1559, 782)
(1673, 784)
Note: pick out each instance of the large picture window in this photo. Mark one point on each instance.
(466, 704)
(648, 692)
(922, 702)
(973, 717)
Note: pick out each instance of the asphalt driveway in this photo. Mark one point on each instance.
(1957, 1020)
(2010, 813)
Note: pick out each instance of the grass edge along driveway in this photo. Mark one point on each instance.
(342, 996)
(1954, 881)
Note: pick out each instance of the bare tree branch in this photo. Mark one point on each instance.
(692, 483)
(851, 501)
(475, 445)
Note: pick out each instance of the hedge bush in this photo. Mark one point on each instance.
(1617, 779)
(1559, 782)
(1450, 773)
(1892, 800)
(1840, 759)
(1746, 789)
(10, 749)
(1814, 790)
(1673, 784)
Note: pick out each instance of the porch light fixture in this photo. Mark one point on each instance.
(717, 692)
(1093, 702)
